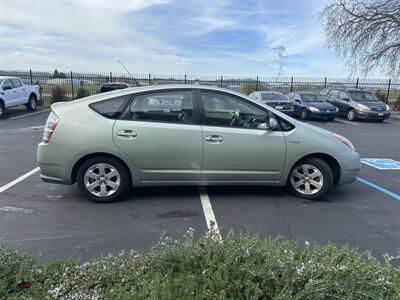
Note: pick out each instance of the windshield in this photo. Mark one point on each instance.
(273, 97)
(311, 98)
(362, 96)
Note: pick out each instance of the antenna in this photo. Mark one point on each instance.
(137, 82)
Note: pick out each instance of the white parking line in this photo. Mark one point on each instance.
(346, 122)
(26, 115)
(208, 212)
(18, 180)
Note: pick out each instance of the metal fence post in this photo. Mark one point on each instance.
(221, 80)
(291, 84)
(257, 84)
(358, 79)
(110, 77)
(388, 90)
(185, 78)
(149, 79)
(72, 87)
(30, 75)
(325, 82)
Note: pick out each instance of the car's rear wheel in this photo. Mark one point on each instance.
(32, 104)
(103, 179)
(303, 114)
(351, 114)
(311, 178)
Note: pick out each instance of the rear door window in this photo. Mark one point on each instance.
(170, 106)
(16, 83)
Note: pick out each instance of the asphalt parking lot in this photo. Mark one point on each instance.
(58, 222)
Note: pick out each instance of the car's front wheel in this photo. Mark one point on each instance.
(303, 114)
(311, 178)
(2, 109)
(32, 104)
(103, 179)
(351, 114)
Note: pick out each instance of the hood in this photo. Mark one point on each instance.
(321, 105)
(373, 105)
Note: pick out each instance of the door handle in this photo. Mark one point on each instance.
(215, 139)
(127, 133)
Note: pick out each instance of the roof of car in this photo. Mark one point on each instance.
(7, 77)
(270, 92)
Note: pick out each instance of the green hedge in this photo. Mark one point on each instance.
(240, 267)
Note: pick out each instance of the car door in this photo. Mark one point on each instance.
(19, 92)
(160, 134)
(236, 144)
(10, 94)
(343, 101)
(333, 97)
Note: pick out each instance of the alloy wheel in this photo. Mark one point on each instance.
(102, 180)
(307, 179)
(351, 115)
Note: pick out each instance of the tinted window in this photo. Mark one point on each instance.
(273, 97)
(362, 96)
(175, 107)
(16, 83)
(7, 84)
(111, 108)
(224, 110)
(311, 98)
(343, 95)
(334, 94)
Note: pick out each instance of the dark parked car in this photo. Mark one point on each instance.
(309, 105)
(356, 103)
(112, 86)
(274, 99)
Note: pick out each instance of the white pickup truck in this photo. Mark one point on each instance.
(14, 92)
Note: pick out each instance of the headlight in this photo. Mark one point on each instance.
(363, 107)
(343, 140)
(387, 107)
(313, 109)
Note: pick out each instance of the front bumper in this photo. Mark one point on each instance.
(349, 167)
(322, 114)
(372, 115)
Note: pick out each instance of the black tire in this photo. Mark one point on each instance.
(303, 114)
(2, 109)
(327, 176)
(32, 103)
(351, 114)
(124, 185)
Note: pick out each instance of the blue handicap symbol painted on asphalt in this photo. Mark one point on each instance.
(382, 163)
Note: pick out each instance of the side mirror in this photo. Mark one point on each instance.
(297, 100)
(273, 124)
(346, 99)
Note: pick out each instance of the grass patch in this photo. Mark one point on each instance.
(242, 266)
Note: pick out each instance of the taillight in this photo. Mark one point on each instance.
(50, 126)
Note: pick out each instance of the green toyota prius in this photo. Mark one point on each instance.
(187, 135)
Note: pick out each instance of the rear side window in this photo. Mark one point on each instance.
(16, 83)
(174, 107)
(111, 108)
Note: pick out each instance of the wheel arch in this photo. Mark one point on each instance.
(77, 165)
(330, 160)
(2, 102)
(34, 95)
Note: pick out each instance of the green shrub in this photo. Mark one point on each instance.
(395, 105)
(82, 93)
(58, 94)
(240, 267)
(249, 87)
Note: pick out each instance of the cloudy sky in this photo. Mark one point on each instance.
(232, 37)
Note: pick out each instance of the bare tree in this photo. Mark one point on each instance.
(365, 33)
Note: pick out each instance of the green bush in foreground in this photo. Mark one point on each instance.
(241, 266)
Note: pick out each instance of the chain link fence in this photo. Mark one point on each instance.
(73, 85)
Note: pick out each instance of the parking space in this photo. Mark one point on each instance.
(59, 222)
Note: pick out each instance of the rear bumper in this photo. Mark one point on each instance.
(50, 179)
(372, 115)
(287, 112)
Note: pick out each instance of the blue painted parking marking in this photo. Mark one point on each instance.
(379, 188)
(382, 163)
